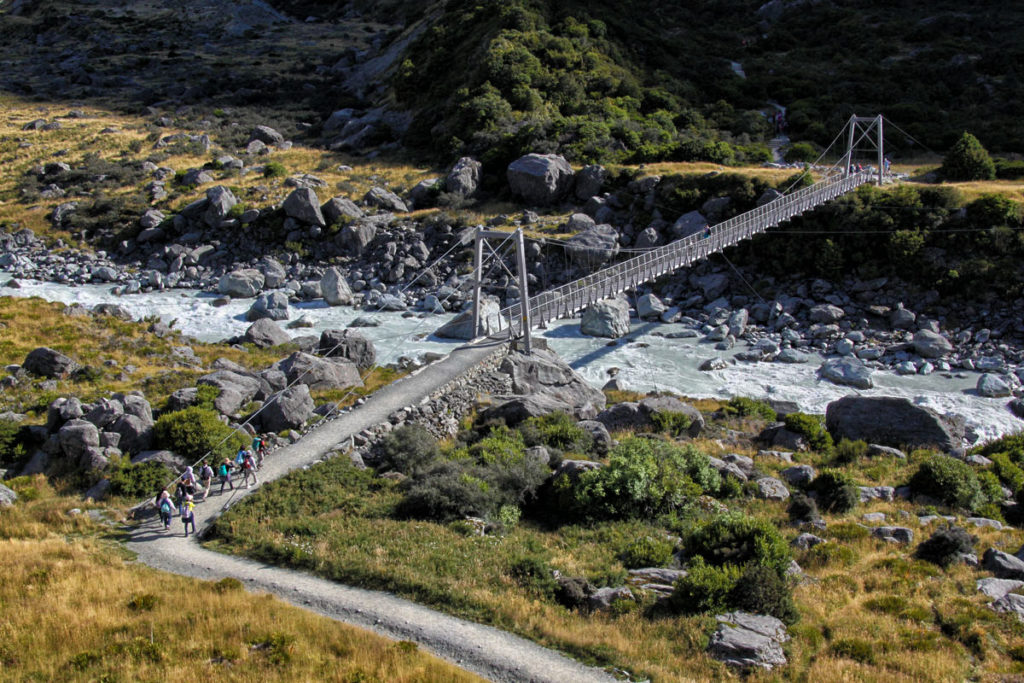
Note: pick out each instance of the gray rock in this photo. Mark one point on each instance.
(993, 386)
(461, 326)
(350, 345)
(7, 496)
(847, 371)
(385, 199)
(274, 274)
(340, 209)
(545, 374)
(319, 373)
(893, 534)
(1003, 565)
(1011, 603)
(930, 344)
(170, 458)
(104, 411)
(272, 305)
(464, 178)
(303, 205)
(136, 433)
(266, 135)
(770, 488)
(235, 389)
(877, 449)
(688, 224)
(712, 364)
(744, 648)
(76, 437)
(574, 468)
(806, 541)
(47, 362)
(540, 179)
(593, 247)
(892, 421)
(658, 575)
(241, 284)
(985, 522)
(265, 333)
(869, 493)
(826, 313)
(334, 287)
(798, 475)
(659, 405)
(997, 588)
(589, 181)
(606, 318)
(649, 307)
(219, 202)
(356, 236)
(287, 410)
(902, 319)
(602, 439)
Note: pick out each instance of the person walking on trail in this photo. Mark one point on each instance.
(240, 456)
(259, 448)
(225, 475)
(206, 479)
(188, 482)
(188, 514)
(165, 507)
(249, 470)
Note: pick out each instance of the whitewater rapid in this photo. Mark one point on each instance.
(644, 360)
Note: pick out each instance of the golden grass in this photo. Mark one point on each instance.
(76, 609)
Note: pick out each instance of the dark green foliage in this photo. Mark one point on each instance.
(734, 538)
(811, 428)
(1008, 472)
(968, 160)
(674, 424)
(836, 492)
(749, 407)
(802, 508)
(949, 480)
(228, 584)
(847, 531)
(1007, 169)
(193, 432)
(945, 545)
(409, 449)
(647, 552)
(644, 478)
(534, 573)
(144, 602)
(801, 151)
(572, 592)
(705, 588)
(556, 430)
(760, 590)
(847, 451)
(829, 554)
(857, 649)
(139, 481)
(274, 169)
(12, 449)
(445, 492)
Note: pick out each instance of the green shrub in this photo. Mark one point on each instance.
(556, 430)
(802, 508)
(228, 584)
(1008, 472)
(829, 554)
(760, 590)
(811, 428)
(139, 481)
(749, 407)
(857, 649)
(647, 552)
(734, 538)
(945, 545)
(274, 169)
(705, 588)
(950, 481)
(533, 573)
(144, 602)
(675, 424)
(968, 160)
(194, 431)
(11, 447)
(847, 531)
(836, 492)
(848, 451)
(643, 478)
(410, 449)
(1007, 169)
(446, 491)
(801, 151)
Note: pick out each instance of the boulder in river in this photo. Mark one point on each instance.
(848, 371)
(606, 318)
(892, 421)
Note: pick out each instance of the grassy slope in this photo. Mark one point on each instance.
(76, 608)
(869, 611)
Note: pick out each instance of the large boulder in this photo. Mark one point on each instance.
(339, 210)
(749, 641)
(464, 178)
(136, 433)
(219, 202)
(1003, 565)
(848, 371)
(593, 247)
(76, 437)
(104, 411)
(334, 288)
(892, 421)
(303, 205)
(319, 373)
(265, 333)
(47, 362)
(663, 405)
(543, 373)
(606, 318)
(7, 496)
(241, 284)
(356, 236)
(274, 273)
(540, 179)
(461, 326)
(272, 305)
(930, 344)
(288, 410)
(689, 224)
(235, 389)
(589, 181)
(350, 345)
(385, 199)
(991, 385)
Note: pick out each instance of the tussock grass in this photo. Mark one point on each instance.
(77, 609)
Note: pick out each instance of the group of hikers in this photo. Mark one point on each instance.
(190, 486)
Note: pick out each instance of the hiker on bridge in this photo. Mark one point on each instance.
(707, 231)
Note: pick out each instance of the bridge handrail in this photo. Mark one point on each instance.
(657, 261)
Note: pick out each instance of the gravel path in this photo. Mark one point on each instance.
(484, 650)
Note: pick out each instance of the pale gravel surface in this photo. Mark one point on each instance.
(484, 650)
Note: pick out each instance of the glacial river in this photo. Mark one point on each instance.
(644, 360)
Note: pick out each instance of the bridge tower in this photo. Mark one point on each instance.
(478, 274)
(865, 132)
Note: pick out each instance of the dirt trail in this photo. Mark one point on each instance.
(484, 650)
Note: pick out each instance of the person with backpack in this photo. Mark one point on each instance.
(206, 479)
(240, 456)
(248, 470)
(225, 475)
(188, 514)
(165, 507)
(188, 482)
(259, 448)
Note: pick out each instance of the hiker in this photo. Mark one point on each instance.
(188, 481)
(188, 514)
(887, 164)
(225, 475)
(707, 231)
(206, 479)
(240, 456)
(259, 448)
(163, 504)
(248, 470)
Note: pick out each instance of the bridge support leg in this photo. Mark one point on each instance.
(524, 293)
(478, 276)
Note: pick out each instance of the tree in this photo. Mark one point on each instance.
(968, 160)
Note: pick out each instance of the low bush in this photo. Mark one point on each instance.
(829, 554)
(556, 430)
(1008, 472)
(409, 449)
(672, 423)
(811, 428)
(802, 508)
(138, 481)
(847, 531)
(847, 451)
(857, 649)
(11, 447)
(533, 573)
(734, 538)
(705, 588)
(950, 481)
(194, 431)
(760, 590)
(748, 407)
(647, 552)
(945, 546)
(836, 492)
(445, 492)
(274, 169)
